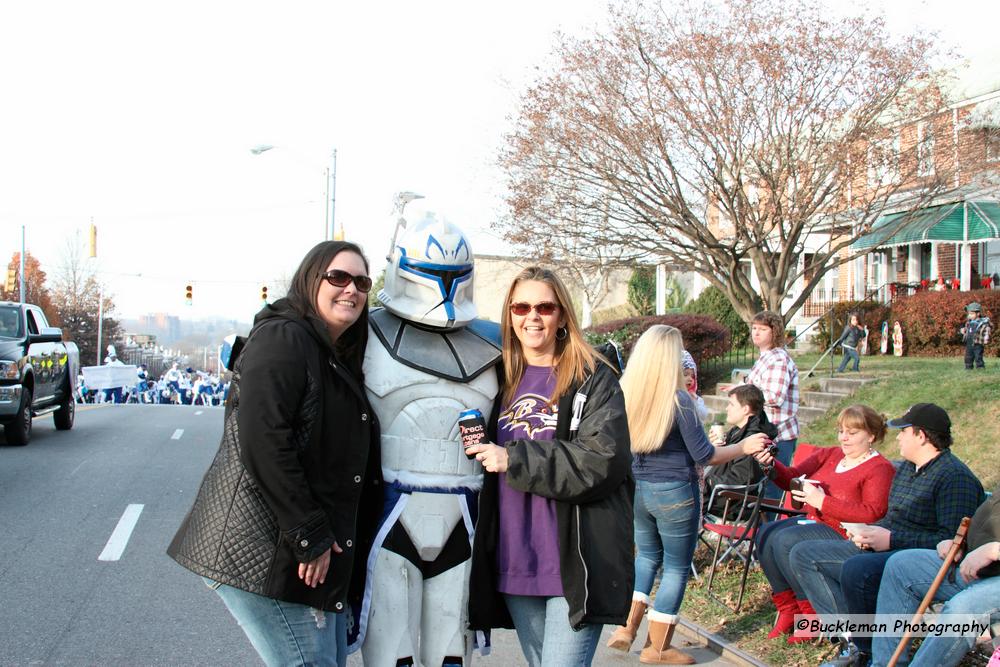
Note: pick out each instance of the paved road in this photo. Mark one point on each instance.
(61, 498)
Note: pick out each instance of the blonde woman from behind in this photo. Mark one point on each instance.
(668, 442)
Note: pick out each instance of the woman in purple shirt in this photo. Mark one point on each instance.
(553, 538)
(668, 441)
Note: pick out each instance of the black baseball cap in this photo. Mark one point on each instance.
(926, 416)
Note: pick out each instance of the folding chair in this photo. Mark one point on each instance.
(711, 522)
(735, 534)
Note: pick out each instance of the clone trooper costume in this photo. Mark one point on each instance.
(428, 359)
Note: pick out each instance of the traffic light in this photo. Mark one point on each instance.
(187, 295)
(263, 293)
(11, 281)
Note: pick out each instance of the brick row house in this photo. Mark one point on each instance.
(951, 240)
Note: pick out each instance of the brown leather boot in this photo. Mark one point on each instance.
(659, 651)
(624, 635)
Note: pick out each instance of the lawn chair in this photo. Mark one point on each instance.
(707, 517)
(738, 497)
(744, 528)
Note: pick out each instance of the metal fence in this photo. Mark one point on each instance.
(737, 357)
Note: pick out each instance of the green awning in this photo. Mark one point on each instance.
(936, 223)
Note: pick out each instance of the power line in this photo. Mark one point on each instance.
(196, 281)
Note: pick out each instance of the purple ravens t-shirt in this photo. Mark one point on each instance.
(528, 550)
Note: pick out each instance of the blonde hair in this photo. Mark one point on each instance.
(574, 358)
(650, 384)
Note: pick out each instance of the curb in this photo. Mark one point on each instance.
(717, 644)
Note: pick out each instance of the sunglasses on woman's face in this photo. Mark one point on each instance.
(544, 308)
(339, 278)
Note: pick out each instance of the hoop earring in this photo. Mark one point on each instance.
(564, 331)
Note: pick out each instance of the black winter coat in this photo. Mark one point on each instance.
(743, 470)
(297, 469)
(589, 474)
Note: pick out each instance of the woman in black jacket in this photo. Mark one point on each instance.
(553, 542)
(285, 515)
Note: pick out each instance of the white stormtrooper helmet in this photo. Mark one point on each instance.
(429, 277)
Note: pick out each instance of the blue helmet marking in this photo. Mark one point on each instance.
(462, 244)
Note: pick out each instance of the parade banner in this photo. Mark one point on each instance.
(110, 377)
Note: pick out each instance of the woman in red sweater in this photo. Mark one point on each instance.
(850, 484)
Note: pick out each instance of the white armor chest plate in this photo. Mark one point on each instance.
(418, 413)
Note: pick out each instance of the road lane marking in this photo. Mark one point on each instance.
(78, 467)
(123, 531)
(198, 412)
(177, 434)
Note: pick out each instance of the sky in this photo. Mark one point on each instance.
(140, 117)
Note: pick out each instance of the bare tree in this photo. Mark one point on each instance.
(76, 294)
(709, 135)
(589, 268)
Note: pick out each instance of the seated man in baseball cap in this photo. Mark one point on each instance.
(931, 493)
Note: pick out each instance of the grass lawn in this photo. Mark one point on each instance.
(972, 399)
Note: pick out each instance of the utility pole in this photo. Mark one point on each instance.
(22, 263)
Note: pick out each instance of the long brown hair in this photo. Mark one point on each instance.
(574, 358)
(302, 291)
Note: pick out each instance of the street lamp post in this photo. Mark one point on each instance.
(92, 254)
(332, 184)
(329, 190)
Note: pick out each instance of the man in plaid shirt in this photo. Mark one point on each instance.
(776, 375)
(931, 493)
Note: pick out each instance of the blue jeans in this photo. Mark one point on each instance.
(542, 625)
(667, 515)
(786, 449)
(840, 578)
(774, 548)
(285, 633)
(849, 354)
(973, 356)
(908, 576)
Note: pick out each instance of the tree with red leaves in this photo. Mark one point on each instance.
(35, 291)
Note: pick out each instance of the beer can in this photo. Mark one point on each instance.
(472, 428)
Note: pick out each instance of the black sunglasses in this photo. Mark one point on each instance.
(339, 278)
(544, 308)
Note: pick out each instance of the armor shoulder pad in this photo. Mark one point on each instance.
(458, 355)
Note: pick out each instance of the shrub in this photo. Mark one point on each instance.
(703, 337)
(642, 290)
(869, 313)
(676, 295)
(715, 304)
(602, 315)
(931, 321)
